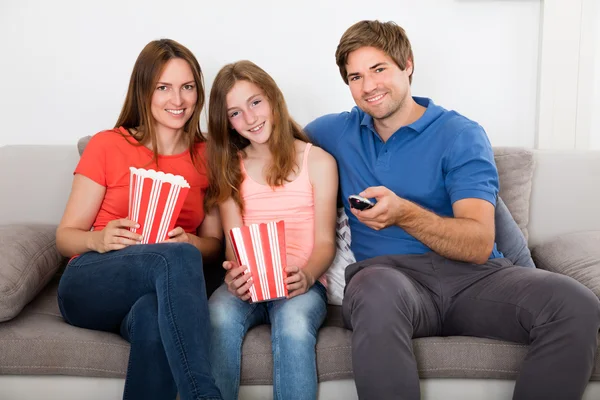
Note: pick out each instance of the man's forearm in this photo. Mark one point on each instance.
(459, 239)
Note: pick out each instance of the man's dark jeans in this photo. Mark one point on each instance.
(155, 297)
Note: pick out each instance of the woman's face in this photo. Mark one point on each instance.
(175, 96)
(249, 112)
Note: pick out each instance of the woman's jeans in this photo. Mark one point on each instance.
(155, 297)
(294, 326)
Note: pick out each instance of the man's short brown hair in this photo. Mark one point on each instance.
(385, 36)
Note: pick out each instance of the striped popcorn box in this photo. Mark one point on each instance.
(155, 201)
(261, 248)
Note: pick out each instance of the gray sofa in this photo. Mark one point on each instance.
(553, 195)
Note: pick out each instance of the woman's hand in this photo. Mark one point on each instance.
(238, 283)
(116, 236)
(178, 235)
(298, 281)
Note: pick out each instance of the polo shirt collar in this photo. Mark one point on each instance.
(432, 112)
(367, 121)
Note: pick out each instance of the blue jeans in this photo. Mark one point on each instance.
(294, 326)
(155, 297)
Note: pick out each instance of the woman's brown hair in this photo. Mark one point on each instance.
(136, 114)
(225, 144)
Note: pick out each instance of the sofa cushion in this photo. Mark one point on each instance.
(576, 255)
(29, 260)
(39, 342)
(82, 143)
(515, 169)
(336, 281)
(509, 238)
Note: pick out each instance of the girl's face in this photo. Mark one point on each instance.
(175, 96)
(249, 112)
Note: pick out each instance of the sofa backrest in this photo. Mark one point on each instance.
(35, 182)
(565, 196)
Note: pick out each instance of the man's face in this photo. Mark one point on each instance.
(377, 84)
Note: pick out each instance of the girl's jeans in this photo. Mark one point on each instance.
(155, 297)
(294, 326)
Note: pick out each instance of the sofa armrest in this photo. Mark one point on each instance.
(576, 255)
(28, 260)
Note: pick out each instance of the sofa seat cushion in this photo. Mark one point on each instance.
(29, 260)
(39, 342)
(576, 255)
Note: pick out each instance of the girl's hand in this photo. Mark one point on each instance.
(238, 283)
(298, 281)
(116, 236)
(178, 235)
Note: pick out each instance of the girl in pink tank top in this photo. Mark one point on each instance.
(263, 169)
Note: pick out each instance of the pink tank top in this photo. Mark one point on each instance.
(293, 203)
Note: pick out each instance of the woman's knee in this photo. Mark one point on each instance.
(184, 251)
(140, 326)
(180, 258)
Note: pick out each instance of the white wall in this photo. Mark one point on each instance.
(66, 64)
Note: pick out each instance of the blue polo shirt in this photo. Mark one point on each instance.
(441, 158)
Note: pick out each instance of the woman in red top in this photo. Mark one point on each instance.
(152, 294)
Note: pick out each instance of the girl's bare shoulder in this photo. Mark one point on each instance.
(319, 156)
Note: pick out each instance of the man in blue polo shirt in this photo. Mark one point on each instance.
(427, 260)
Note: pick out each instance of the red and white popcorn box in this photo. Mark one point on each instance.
(261, 248)
(155, 201)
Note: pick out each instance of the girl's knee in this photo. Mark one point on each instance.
(227, 312)
(220, 317)
(299, 324)
(299, 331)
